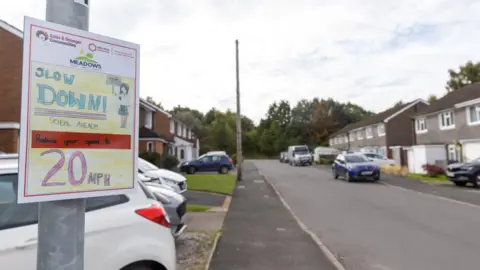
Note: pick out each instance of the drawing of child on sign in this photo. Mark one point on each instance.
(121, 91)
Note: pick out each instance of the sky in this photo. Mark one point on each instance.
(370, 52)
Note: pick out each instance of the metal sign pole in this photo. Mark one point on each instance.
(61, 224)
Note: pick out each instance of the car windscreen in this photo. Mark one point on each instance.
(145, 166)
(301, 150)
(355, 159)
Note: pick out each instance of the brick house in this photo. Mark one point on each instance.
(154, 125)
(385, 133)
(11, 48)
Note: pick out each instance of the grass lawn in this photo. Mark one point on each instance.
(217, 183)
(197, 208)
(433, 180)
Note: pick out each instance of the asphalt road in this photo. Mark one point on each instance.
(371, 226)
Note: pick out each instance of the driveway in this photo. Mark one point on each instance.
(378, 226)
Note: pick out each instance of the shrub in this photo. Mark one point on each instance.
(169, 162)
(404, 171)
(154, 158)
(433, 170)
(166, 161)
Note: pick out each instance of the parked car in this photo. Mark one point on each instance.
(127, 232)
(463, 173)
(379, 159)
(283, 157)
(299, 155)
(208, 163)
(175, 204)
(175, 180)
(355, 167)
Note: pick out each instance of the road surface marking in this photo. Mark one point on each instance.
(435, 196)
(330, 256)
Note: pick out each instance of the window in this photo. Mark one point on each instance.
(150, 148)
(446, 120)
(355, 158)
(352, 137)
(182, 154)
(172, 127)
(360, 134)
(473, 115)
(421, 125)
(369, 133)
(148, 119)
(381, 129)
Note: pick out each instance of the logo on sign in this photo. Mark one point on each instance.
(86, 60)
(42, 35)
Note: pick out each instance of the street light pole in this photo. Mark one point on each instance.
(239, 119)
(61, 224)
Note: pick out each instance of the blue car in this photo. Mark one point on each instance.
(215, 162)
(355, 167)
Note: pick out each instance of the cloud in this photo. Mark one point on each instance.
(371, 52)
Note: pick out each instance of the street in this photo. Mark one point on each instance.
(379, 226)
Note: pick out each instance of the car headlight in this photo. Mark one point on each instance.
(162, 198)
(351, 166)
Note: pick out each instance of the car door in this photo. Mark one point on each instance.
(18, 227)
(340, 165)
(204, 164)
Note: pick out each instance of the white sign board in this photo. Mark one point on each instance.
(79, 125)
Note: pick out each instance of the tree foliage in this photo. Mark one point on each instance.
(307, 122)
(466, 74)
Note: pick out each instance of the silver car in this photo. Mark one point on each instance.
(175, 204)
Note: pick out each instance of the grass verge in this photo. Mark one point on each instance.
(433, 180)
(197, 208)
(216, 183)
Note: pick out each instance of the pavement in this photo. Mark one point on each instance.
(381, 226)
(260, 233)
(204, 198)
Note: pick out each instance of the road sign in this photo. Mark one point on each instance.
(79, 128)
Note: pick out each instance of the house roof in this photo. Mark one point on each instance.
(448, 101)
(148, 133)
(378, 118)
(154, 107)
(12, 29)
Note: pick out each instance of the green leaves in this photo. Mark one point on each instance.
(467, 74)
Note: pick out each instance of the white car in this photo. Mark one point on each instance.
(175, 180)
(122, 232)
(379, 159)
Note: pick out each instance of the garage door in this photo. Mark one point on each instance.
(471, 150)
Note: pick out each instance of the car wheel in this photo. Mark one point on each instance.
(192, 170)
(460, 184)
(335, 175)
(223, 170)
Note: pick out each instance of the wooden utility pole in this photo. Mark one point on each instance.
(239, 119)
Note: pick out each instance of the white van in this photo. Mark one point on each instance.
(299, 155)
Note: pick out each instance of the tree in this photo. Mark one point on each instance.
(432, 98)
(158, 104)
(467, 74)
